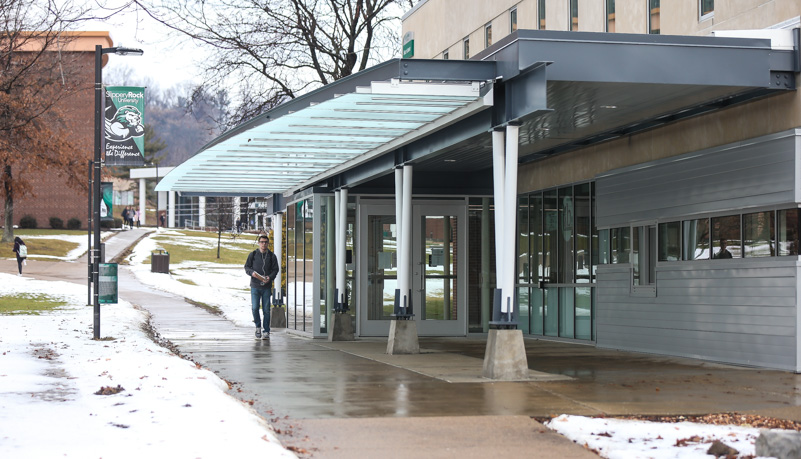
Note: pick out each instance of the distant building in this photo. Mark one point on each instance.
(54, 197)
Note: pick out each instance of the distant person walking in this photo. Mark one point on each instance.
(161, 219)
(262, 267)
(136, 218)
(124, 216)
(21, 250)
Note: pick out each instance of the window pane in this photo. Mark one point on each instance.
(574, 15)
(551, 311)
(535, 301)
(467, 48)
(620, 240)
(550, 235)
(567, 312)
(584, 313)
(603, 247)
(535, 237)
(582, 232)
(488, 35)
(541, 14)
(513, 20)
(637, 253)
(653, 17)
(523, 295)
(523, 261)
(594, 243)
(759, 235)
(695, 235)
(726, 237)
(610, 15)
(565, 236)
(788, 232)
(707, 7)
(670, 241)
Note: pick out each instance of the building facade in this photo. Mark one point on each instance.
(632, 190)
(53, 196)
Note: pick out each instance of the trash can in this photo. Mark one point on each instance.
(160, 262)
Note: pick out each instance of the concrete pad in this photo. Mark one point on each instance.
(341, 327)
(432, 437)
(505, 357)
(448, 367)
(403, 337)
(277, 317)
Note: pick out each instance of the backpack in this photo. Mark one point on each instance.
(23, 251)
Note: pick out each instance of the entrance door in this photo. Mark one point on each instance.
(439, 268)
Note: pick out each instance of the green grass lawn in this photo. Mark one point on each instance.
(45, 246)
(181, 253)
(28, 304)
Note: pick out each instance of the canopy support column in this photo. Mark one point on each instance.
(403, 329)
(505, 355)
(341, 203)
(142, 201)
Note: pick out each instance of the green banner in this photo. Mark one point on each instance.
(108, 283)
(125, 126)
(107, 202)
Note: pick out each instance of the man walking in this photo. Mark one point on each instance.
(262, 267)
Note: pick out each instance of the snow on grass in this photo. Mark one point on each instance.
(50, 370)
(630, 439)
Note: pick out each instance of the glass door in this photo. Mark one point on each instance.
(439, 268)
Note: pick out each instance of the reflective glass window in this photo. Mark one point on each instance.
(788, 232)
(726, 237)
(695, 237)
(670, 241)
(759, 234)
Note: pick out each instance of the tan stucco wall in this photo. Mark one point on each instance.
(766, 116)
(443, 24)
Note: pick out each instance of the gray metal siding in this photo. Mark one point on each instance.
(758, 172)
(733, 311)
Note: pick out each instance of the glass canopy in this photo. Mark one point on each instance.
(304, 147)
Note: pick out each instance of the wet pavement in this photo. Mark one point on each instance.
(351, 399)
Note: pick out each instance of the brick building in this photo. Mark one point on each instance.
(53, 197)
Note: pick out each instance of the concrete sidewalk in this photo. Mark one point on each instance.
(352, 400)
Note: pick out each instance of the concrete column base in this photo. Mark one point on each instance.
(341, 327)
(403, 337)
(277, 317)
(505, 357)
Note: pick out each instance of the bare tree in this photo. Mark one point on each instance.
(37, 74)
(275, 50)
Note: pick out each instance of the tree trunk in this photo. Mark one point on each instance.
(8, 216)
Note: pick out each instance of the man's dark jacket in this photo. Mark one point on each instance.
(263, 263)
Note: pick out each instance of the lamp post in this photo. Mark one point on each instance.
(99, 117)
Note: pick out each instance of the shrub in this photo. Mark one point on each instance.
(28, 222)
(56, 223)
(73, 224)
(117, 223)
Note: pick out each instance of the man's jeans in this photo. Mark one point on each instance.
(263, 295)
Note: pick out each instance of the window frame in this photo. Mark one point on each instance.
(513, 20)
(446, 55)
(606, 15)
(705, 16)
(466, 48)
(648, 18)
(570, 16)
(541, 23)
(487, 35)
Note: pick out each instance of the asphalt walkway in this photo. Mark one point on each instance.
(350, 399)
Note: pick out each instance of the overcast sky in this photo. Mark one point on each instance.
(167, 61)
